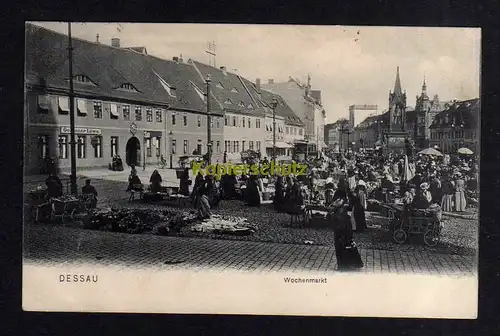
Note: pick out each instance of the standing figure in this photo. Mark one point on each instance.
(184, 182)
(155, 181)
(460, 202)
(278, 192)
(448, 191)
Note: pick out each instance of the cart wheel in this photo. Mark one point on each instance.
(400, 236)
(431, 237)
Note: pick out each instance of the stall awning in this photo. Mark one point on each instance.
(44, 102)
(279, 144)
(82, 106)
(64, 104)
(114, 110)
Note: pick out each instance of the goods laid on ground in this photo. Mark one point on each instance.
(225, 225)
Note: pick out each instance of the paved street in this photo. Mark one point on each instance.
(52, 245)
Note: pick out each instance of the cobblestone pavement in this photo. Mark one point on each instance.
(55, 245)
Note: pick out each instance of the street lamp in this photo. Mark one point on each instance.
(144, 151)
(74, 186)
(209, 121)
(171, 138)
(274, 104)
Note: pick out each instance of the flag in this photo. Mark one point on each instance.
(409, 172)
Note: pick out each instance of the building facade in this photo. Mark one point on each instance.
(305, 104)
(457, 126)
(121, 101)
(426, 110)
(359, 113)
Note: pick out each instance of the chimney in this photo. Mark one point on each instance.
(270, 81)
(180, 59)
(224, 70)
(175, 59)
(97, 38)
(257, 84)
(115, 42)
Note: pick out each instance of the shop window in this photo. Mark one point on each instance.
(44, 146)
(148, 147)
(98, 110)
(98, 147)
(243, 145)
(138, 113)
(63, 146)
(149, 115)
(81, 147)
(257, 143)
(199, 147)
(114, 146)
(250, 145)
(126, 112)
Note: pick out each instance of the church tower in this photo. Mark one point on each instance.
(397, 107)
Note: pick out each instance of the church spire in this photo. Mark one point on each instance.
(397, 85)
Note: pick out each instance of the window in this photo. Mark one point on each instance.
(44, 146)
(229, 147)
(199, 148)
(250, 145)
(158, 146)
(63, 146)
(114, 146)
(138, 113)
(226, 120)
(113, 111)
(217, 146)
(148, 147)
(126, 112)
(241, 104)
(98, 147)
(249, 123)
(236, 146)
(97, 110)
(257, 123)
(149, 114)
(287, 130)
(228, 102)
(257, 143)
(198, 119)
(185, 120)
(186, 147)
(234, 121)
(128, 87)
(225, 146)
(243, 121)
(174, 117)
(250, 106)
(81, 146)
(159, 117)
(43, 104)
(218, 122)
(243, 145)
(211, 122)
(300, 131)
(174, 146)
(220, 86)
(82, 79)
(234, 90)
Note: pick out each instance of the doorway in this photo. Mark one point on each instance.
(133, 152)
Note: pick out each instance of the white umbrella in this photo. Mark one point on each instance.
(430, 151)
(465, 151)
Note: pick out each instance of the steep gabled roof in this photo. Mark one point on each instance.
(233, 89)
(282, 109)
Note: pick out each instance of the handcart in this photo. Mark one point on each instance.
(404, 222)
(67, 208)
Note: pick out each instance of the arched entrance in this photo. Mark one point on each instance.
(133, 152)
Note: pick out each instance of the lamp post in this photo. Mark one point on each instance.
(274, 104)
(171, 138)
(74, 186)
(209, 122)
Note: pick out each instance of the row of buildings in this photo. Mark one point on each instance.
(444, 125)
(141, 107)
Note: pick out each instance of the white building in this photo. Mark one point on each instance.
(242, 132)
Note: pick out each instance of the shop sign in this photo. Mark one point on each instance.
(81, 130)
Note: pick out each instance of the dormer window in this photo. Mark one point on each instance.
(170, 90)
(241, 104)
(219, 86)
(200, 93)
(250, 106)
(228, 102)
(234, 90)
(128, 87)
(83, 79)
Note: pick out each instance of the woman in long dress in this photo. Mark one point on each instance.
(358, 213)
(278, 193)
(447, 190)
(252, 194)
(460, 202)
(155, 181)
(184, 182)
(360, 192)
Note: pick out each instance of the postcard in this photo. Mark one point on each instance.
(251, 169)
